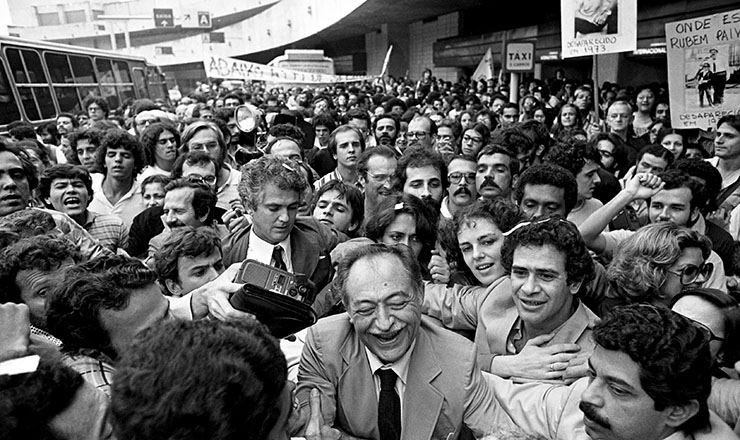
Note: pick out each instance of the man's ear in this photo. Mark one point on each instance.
(173, 287)
(694, 216)
(514, 180)
(575, 287)
(678, 414)
(353, 226)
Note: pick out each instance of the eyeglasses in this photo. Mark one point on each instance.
(457, 177)
(467, 138)
(382, 178)
(197, 178)
(691, 274)
(416, 134)
(708, 331)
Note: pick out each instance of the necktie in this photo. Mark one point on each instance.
(389, 407)
(277, 258)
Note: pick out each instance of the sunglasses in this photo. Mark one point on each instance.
(691, 273)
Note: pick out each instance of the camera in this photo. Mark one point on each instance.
(263, 276)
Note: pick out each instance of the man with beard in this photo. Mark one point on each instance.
(377, 171)
(422, 132)
(461, 190)
(422, 173)
(496, 172)
(649, 379)
(346, 144)
(66, 124)
(386, 128)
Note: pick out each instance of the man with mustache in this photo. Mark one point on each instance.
(186, 203)
(496, 172)
(461, 190)
(377, 170)
(649, 379)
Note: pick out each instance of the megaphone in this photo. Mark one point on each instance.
(248, 118)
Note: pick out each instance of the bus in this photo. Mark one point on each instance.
(39, 80)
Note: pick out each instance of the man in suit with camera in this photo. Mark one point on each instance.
(382, 370)
(271, 189)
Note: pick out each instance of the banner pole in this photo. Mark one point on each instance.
(595, 75)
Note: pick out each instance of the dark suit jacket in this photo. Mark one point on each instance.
(444, 387)
(310, 242)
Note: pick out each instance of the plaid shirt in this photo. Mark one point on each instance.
(109, 230)
(94, 367)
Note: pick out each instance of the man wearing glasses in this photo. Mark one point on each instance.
(672, 196)
(377, 173)
(422, 132)
(461, 190)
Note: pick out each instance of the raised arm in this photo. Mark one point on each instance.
(641, 186)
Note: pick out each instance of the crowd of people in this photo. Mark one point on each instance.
(480, 268)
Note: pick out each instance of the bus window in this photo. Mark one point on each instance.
(33, 67)
(8, 108)
(140, 83)
(16, 65)
(120, 69)
(46, 104)
(83, 70)
(105, 71)
(59, 70)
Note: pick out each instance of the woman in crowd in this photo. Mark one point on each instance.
(474, 138)
(643, 116)
(612, 151)
(466, 119)
(569, 119)
(673, 141)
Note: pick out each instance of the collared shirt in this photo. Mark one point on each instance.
(400, 367)
(128, 207)
(444, 210)
(109, 230)
(229, 190)
(334, 175)
(261, 250)
(96, 368)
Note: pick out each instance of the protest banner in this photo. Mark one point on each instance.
(703, 69)
(593, 27)
(231, 68)
(484, 71)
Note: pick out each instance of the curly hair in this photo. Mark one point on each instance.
(42, 252)
(391, 207)
(93, 135)
(183, 242)
(257, 174)
(671, 351)
(30, 401)
(572, 156)
(559, 234)
(118, 138)
(105, 283)
(549, 174)
(516, 140)
(675, 179)
(419, 157)
(150, 139)
(502, 213)
(640, 265)
(203, 379)
(29, 222)
(64, 171)
(288, 131)
(101, 102)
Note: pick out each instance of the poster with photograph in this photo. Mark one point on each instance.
(592, 27)
(704, 69)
